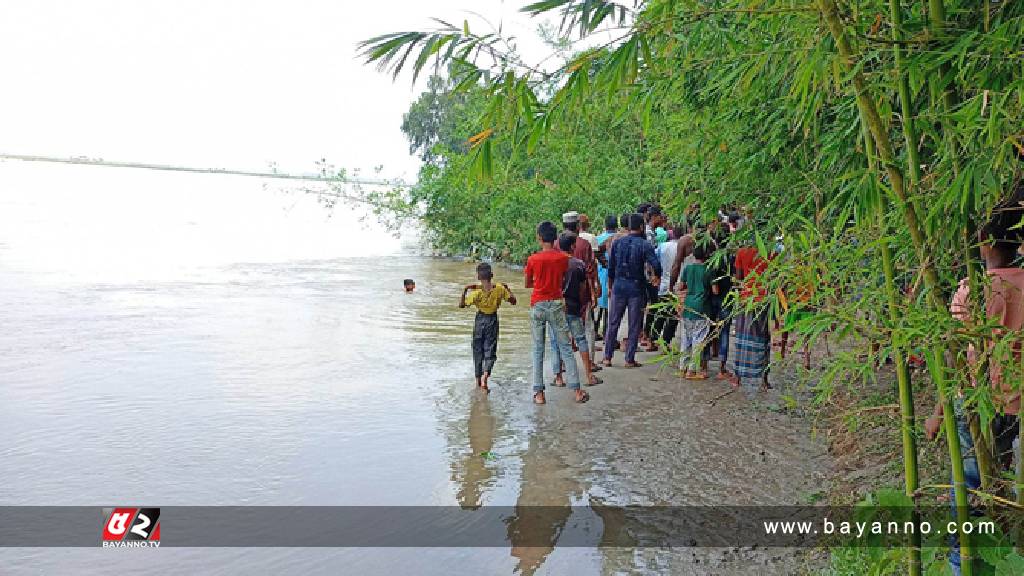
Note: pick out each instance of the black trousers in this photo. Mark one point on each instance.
(651, 293)
(485, 343)
(662, 323)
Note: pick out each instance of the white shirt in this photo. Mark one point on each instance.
(589, 238)
(667, 255)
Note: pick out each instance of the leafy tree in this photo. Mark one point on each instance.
(875, 134)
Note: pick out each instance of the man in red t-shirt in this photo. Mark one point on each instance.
(545, 271)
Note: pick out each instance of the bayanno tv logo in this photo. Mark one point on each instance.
(131, 527)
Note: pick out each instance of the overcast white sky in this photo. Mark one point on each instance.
(211, 83)
(215, 82)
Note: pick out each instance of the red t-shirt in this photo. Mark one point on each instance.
(749, 264)
(547, 268)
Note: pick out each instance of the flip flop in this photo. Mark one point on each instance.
(606, 363)
(696, 377)
(595, 381)
(595, 368)
(585, 397)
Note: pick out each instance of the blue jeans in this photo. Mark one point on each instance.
(1005, 436)
(577, 331)
(551, 313)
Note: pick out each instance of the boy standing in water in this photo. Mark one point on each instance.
(487, 297)
(545, 271)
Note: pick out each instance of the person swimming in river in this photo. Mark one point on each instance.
(487, 297)
(410, 285)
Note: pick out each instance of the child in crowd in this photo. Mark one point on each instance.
(610, 230)
(487, 297)
(576, 303)
(694, 296)
(410, 285)
(545, 272)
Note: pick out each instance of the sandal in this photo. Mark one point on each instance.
(632, 365)
(606, 363)
(595, 381)
(538, 398)
(582, 399)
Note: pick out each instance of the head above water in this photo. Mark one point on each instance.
(484, 271)
(636, 222)
(567, 242)
(546, 232)
(409, 284)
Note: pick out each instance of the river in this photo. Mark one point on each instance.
(206, 340)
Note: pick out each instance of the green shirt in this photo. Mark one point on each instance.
(695, 276)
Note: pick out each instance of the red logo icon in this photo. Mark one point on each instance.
(131, 527)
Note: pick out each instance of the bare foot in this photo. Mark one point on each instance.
(725, 375)
(606, 363)
(559, 381)
(538, 398)
(477, 381)
(734, 381)
(483, 381)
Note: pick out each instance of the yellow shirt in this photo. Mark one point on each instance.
(488, 301)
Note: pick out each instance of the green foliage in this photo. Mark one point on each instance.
(792, 110)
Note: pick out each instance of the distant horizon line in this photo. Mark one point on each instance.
(86, 161)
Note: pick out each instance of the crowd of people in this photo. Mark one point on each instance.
(669, 282)
(699, 288)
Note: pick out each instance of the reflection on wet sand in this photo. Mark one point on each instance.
(544, 505)
(475, 469)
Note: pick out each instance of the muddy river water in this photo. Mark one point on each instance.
(318, 382)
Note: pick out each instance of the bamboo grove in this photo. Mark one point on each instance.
(876, 135)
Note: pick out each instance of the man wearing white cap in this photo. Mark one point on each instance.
(584, 252)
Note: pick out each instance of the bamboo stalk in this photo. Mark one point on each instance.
(907, 423)
(870, 116)
(903, 88)
(960, 490)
